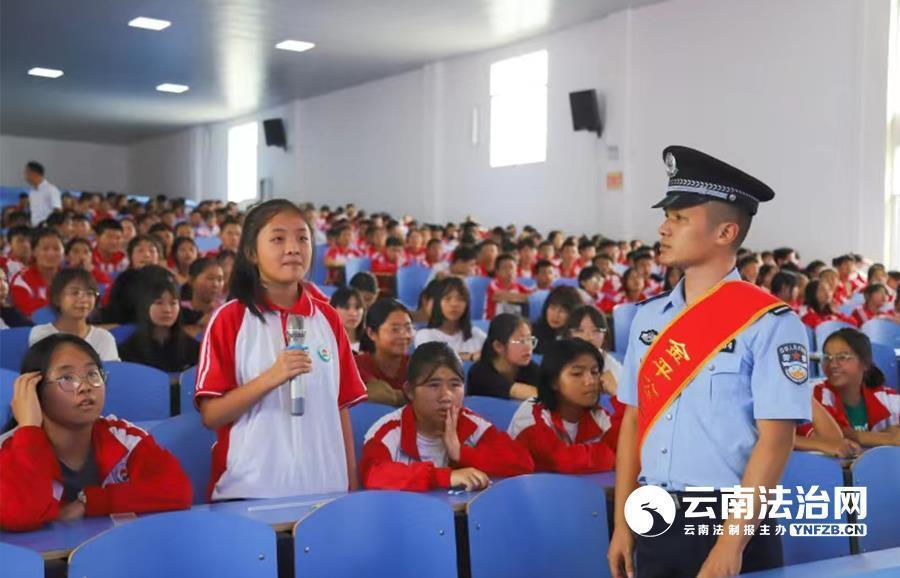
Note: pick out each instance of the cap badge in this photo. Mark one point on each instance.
(671, 166)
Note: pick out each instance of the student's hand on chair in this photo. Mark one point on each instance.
(25, 405)
(290, 363)
(721, 562)
(469, 478)
(71, 511)
(621, 553)
(451, 439)
(844, 448)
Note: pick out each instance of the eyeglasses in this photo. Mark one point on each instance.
(529, 341)
(839, 358)
(72, 382)
(79, 293)
(400, 330)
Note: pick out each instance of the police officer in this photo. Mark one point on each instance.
(732, 421)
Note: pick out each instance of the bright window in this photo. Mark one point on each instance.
(243, 141)
(893, 176)
(519, 110)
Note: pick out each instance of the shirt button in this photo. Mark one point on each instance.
(669, 416)
(712, 367)
(664, 450)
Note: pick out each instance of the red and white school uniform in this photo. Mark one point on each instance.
(268, 453)
(612, 285)
(481, 271)
(381, 265)
(396, 457)
(560, 446)
(882, 406)
(339, 255)
(492, 308)
(415, 257)
(29, 291)
(812, 319)
(112, 266)
(525, 273)
(570, 272)
(137, 475)
(652, 287)
(860, 315)
(11, 266)
(609, 302)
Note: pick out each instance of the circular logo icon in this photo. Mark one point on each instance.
(671, 165)
(649, 511)
(324, 354)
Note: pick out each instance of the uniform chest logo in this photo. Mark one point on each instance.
(648, 336)
(794, 362)
(324, 354)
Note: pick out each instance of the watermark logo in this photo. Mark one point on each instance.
(650, 511)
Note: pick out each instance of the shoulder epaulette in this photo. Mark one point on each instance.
(654, 298)
(781, 310)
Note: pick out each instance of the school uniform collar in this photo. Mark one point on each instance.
(675, 297)
(302, 306)
(408, 433)
(587, 426)
(875, 410)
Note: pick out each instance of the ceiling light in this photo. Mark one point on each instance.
(45, 72)
(294, 45)
(169, 87)
(149, 23)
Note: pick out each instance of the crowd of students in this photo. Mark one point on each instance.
(101, 260)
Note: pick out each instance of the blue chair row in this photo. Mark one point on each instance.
(411, 281)
(319, 272)
(14, 343)
(883, 331)
(207, 244)
(478, 295)
(356, 265)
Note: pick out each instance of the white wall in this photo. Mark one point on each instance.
(792, 91)
(69, 164)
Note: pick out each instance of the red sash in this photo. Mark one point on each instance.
(690, 340)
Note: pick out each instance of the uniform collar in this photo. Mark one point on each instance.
(875, 410)
(302, 306)
(408, 433)
(587, 427)
(676, 296)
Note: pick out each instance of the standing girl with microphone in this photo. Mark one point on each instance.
(243, 378)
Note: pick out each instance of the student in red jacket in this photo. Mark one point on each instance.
(64, 460)
(434, 442)
(28, 289)
(874, 298)
(563, 428)
(818, 300)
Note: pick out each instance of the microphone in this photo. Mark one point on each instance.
(296, 334)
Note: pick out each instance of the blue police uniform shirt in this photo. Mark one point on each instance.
(705, 436)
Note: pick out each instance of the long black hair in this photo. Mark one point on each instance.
(149, 291)
(246, 285)
(557, 356)
(576, 317)
(38, 358)
(446, 287)
(810, 299)
(375, 318)
(862, 347)
(501, 329)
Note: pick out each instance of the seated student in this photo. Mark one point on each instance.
(386, 263)
(590, 325)
(367, 285)
(560, 303)
(546, 251)
(587, 250)
(854, 392)
(462, 263)
(129, 229)
(121, 301)
(350, 307)
(848, 282)
(184, 252)
(434, 254)
(766, 273)
(544, 275)
(226, 259)
(435, 442)
(229, 235)
(633, 291)
(142, 251)
(159, 340)
(184, 229)
(818, 302)
(874, 298)
(28, 287)
(672, 277)
(505, 294)
(9, 316)
(526, 253)
(108, 254)
(785, 286)
(164, 236)
(612, 281)
(337, 255)
(19, 257)
(644, 264)
(450, 321)
(824, 435)
(73, 295)
(568, 263)
(590, 285)
(422, 315)
(80, 255)
(748, 267)
(505, 368)
(385, 351)
(563, 428)
(207, 293)
(63, 460)
(414, 251)
(487, 253)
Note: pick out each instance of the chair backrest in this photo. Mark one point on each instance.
(216, 544)
(13, 345)
(137, 392)
(883, 331)
(509, 526)
(536, 304)
(826, 328)
(482, 324)
(121, 333)
(886, 360)
(410, 282)
(478, 293)
(497, 411)
(44, 315)
(186, 384)
(806, 470)
(847, 307)
(623, 314)
(20, 562)
(319, 272)
(359, 535)
(362, 416)
(527, 282)
(207, 244)
(355, 265)
(327, 290)
(190, 442)
(878, 470)
(568, 281)
(7, 379)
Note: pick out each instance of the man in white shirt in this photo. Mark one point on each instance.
(43, 196)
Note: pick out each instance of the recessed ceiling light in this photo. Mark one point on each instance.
(45, 72)
(169, 87)
(149, 23)
(294, 45)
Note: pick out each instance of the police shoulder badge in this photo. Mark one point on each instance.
(671, 165)
(648, 336)
(794, 362)
(324, 354)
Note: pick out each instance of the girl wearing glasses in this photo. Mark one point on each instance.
(62, 460)
(385, 351)
(434, 442)
(563, 428)
(505, 368)
(73, 295)
(854, 391)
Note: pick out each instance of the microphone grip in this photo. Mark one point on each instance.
(298, 391)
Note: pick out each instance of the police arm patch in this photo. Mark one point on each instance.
(794, 362)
